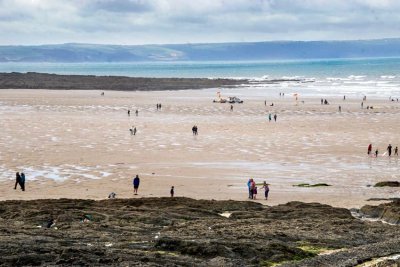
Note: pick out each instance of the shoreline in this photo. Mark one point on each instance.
(80, 135)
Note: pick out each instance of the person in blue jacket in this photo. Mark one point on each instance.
(136, 182)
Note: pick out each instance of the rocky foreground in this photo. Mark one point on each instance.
(187, 232)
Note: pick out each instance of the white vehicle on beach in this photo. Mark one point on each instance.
(234, 99)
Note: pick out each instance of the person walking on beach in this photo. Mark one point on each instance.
(194, 129)
(129, 112)
(266, 190)
(17, 180)
(369, 149)
(137, 112)
(136, 182)
(22, 183)
(275, 117)
(231, 107)
(396, 151)
(265, 102)
(376, 153)
(249, 186)
(252, 188)
(389, 149)
(362, 105)
(340, 109)
(255, 192)
(172, 191)
(322, 101)
(134, 131)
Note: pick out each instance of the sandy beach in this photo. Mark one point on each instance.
(77, 144)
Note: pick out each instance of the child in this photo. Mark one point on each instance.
(266, 189)
(172, 191)
(255, 193)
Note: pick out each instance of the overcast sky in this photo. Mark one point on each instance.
(194, 21)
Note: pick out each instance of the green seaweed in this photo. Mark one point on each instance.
(311, 185)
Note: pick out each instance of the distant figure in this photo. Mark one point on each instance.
(283, 94)
(266, 190)
(265, 103)
(22, 183)
(252, 188)
(275, 117)
(102, 93)
(136, 182)
(129, 112)
(194, 130)
(362, 104)
(280, 94)
(249, 187)
(137, 112)
(376, 153)
(322, 101)
(344, 97)
(112, 195)
(17, 180)
(272, 104)
(369, 149)
(396, 151)
(340, 109)
(255, 192)
(231, 107)
(134, 131)
(131, 130)
(270, 117)
(157, 106)
(326, 102)
(389, 149)
(172, 191)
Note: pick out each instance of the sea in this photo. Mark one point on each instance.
(376, 77)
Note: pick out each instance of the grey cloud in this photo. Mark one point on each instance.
(176, 21)
(119, 6)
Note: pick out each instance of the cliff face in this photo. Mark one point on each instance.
(185, 232)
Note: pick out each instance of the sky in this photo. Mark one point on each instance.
(34, 22)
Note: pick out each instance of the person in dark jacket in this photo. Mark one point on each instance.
(22, 181)
(136, 182)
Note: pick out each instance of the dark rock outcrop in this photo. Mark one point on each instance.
(389, 212)
(185, 232)
(388, 183)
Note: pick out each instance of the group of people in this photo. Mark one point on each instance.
(136, 112)
(252, 186)
(20, 180)
(389, 150)
(133, 130)
(324, 102)
(136, 183)
(194, 130)
(158, 106)
(270, 117)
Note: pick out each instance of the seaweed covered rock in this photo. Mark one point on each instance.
(388, 212)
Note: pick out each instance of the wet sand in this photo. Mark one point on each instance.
(76, 144)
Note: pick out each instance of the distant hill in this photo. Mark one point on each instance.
(202, 52)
